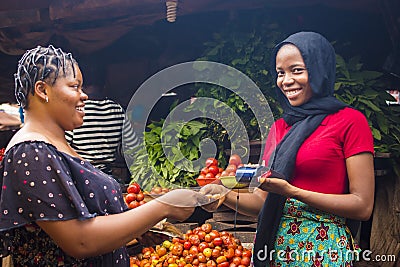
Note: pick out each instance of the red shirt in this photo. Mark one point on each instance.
(320, 163)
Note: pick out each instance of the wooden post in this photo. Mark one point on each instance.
(385, 231)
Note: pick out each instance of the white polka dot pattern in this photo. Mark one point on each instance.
(41, 183)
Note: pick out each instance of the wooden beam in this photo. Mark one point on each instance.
(9, 5)
(94, 9)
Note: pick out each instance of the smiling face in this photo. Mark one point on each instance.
(66, 100)
(292, 75)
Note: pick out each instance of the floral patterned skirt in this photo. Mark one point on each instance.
(311, 237)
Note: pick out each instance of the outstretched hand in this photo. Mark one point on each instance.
(277, 186)
(182, 202)
(215, 194)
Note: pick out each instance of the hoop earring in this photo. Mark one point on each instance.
(46, 99)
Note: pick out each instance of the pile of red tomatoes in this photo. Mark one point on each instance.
(134, 197)
(202, 247)
(212, 172)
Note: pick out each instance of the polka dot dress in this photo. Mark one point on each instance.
(41, 183)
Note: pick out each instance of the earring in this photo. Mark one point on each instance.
(46, 99)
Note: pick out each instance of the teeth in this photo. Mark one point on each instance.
(292, 92)
(80, 108)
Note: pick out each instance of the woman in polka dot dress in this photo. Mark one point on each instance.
(57, 209)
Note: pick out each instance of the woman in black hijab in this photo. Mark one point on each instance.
(325, 152)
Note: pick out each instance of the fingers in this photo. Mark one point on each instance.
(265, 183)
(207, 189)
(205, 198)
(185, 198)
(215, 201)
(213, 206)
(264, 180)
(213, 189)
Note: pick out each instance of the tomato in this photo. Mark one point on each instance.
(214, 233)
(202, 246)
(189, 258)
(235, 159)
(204, 171)
(196, 230)
(246, 253)
(231, 168)
(206, 227)
(157, 190)
(217, 241)
(185, 252)
(201, 257)
(166, 244)
(211, 263)
(216, 253)
(230, 253)
(177, 249)
(201, 234)
(133, 188)
(145, 249)
(211, 162)
(223, 264)
(133, 204)
(207, 238)
(194, 239)
(224, 233)
(238, 253)
(210, 175)
(218, 175)
(130, 197)
(207, 252)
(139, 197)
(213, 169)
(161, 251)
(245, 261)
(221, 259)
(237, 260)
(187, 245)
(143, 262)
(224, 173)
(175, 240)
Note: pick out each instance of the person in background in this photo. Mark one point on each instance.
(105, 133)
(56, 208)
(324, 149)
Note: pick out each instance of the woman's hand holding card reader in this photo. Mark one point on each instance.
(247, 174)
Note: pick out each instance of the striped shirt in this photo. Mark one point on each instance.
(99, 139)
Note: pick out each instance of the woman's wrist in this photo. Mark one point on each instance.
(162, 208)
(294, 192)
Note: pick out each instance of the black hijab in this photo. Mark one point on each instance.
(319, 58)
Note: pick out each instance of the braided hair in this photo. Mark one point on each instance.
(40, 64)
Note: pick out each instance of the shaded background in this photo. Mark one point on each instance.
(122, 43)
